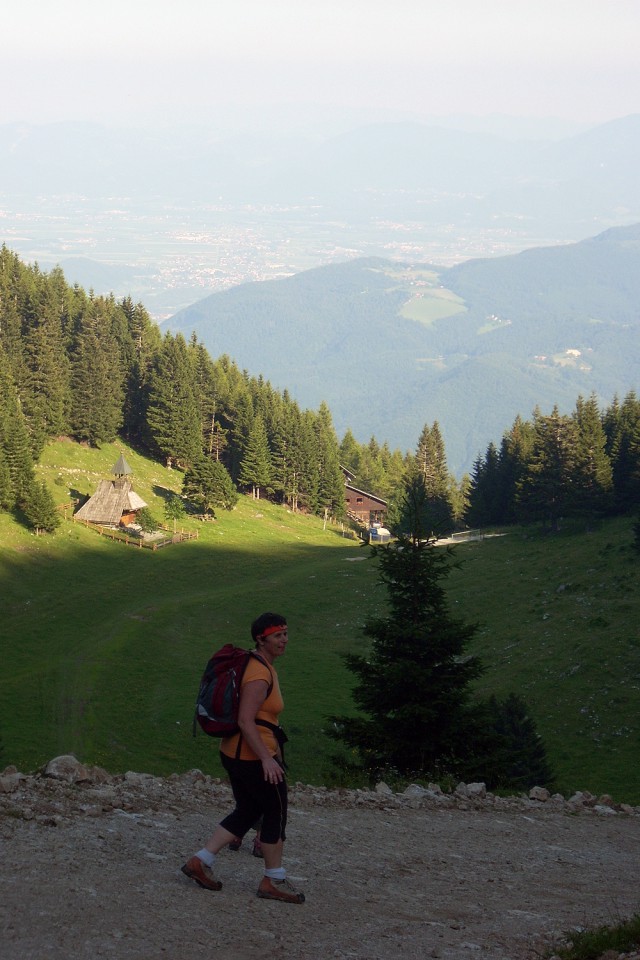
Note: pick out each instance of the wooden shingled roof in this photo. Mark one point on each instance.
(109, 502)
(121, 468)
(112, 498)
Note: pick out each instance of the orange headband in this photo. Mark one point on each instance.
(276, 629)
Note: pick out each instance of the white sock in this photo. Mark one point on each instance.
(206, 856)
(276, 873)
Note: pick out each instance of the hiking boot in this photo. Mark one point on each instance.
(279, 890)
(198, 871)
(235, 844)
(257, 848)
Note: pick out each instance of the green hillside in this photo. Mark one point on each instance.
(103, 644)
(391, 347)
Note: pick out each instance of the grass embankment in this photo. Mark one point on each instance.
(559, 619)
(103, 644)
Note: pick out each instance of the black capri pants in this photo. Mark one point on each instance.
(255, 798)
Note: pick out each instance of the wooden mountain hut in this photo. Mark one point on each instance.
(115, 503)
(364, 507)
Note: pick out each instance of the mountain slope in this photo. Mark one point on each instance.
(391, 347)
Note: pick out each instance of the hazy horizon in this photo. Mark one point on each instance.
(145, 63)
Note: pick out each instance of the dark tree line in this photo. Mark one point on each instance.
(94, 368)
(586, 465)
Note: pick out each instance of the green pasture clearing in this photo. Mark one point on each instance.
(103, 644)
(432, 305)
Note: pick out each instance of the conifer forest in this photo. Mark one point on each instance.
(95, 368)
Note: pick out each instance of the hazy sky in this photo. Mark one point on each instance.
(124, 60)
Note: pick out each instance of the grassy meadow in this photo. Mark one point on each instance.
(102, 644)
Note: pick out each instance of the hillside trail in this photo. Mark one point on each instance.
(91, 869)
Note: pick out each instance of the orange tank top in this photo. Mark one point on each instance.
(269, 711)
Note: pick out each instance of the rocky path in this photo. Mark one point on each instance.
(90, 868)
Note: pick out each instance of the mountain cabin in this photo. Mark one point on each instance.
(115, 503)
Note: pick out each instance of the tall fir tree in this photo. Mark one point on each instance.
(256, 469)
(96, 377)
(46, 387)
(413, 688)
(207, 483)
(593, 478)
(39, 508)
(622, 428)
(547, 491)
(331, 494)
(173, 415)
(431, 461)
(16, 454)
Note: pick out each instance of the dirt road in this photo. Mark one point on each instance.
(92, 870)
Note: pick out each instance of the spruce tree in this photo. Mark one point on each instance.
(547, 491)
(593, 479)
(207, 483)
(15, 449)
(39, 508)
(46, 382)
(97, 377)
(330, 477)
(622, 426)
(413, 688)
(173, 416)
(513, 460)
(432, 463)
(139, 346)
(517, 757)
(256, 468)
(7, 497)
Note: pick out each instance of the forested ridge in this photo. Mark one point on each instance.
(93, 367)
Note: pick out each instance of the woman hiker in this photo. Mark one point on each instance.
(253, 761)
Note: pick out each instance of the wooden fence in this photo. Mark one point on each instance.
(113, 534)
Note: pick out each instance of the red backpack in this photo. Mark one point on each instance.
(218, 698)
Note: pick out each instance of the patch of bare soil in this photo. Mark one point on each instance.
(90, 867)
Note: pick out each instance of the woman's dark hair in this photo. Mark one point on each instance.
(264, 621)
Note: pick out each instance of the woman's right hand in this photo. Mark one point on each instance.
(273, 772)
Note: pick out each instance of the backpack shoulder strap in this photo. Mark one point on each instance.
(257, 656)
(263, 723)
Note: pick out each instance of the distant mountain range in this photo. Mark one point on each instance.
(551, 188)
(393, 346)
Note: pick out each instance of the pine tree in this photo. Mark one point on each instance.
(256, 468)
(514, 456)
(286, 454)
(7, 498)
(622, 427)
(97, 377)
(330, 477)
(593, 477)
(173, 416)
(39, 508)
(547, 492)
(208, 484)
(140, 342)
(46, 388)
(517, 758)
(350, 453)
(15, 449)
(431, 461)
(482, 507)
(413, 688)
